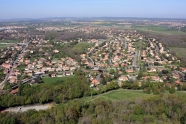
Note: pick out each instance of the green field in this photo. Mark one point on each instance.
(51, 80)
(120, 94)
(126, 94)
(157, 29)
(81, 46)
(4, 45)
(180, 52)
(10, 42)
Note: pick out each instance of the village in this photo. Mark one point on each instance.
(123, 56)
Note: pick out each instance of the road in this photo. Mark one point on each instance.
(135, 59)
(125, 46)
(11, 68)
(156, 49)
(26, 108)
(91, 60)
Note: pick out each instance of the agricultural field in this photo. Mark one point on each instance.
(180, 52)
(157, 29)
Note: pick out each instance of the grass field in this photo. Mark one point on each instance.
(9, 41)
(81, 46)
(157, 29)
(51, 80)
(123, 94)
(6, 43)
(180, 52)
(120, 94)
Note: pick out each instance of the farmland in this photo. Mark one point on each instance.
(158, 29)
(180, 52)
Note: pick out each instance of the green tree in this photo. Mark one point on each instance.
(112, 71)
(172, 90)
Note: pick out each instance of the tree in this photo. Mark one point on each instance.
(112, 71)
(103, 81)
(20, 91)
(172, 90)
(135, 86)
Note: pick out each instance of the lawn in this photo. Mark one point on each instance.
(157, 29)
(81, 46)
(51, 80)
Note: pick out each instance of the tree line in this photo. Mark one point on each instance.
(168, 109)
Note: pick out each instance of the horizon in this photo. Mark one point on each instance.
(21, 9)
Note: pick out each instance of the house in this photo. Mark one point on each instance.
(32, 82)
(183, 69)
(53, 75)
(129, 70)
(15, 91)
(56, 51)
(176, 76)
(95, 82)
(5, 65)
(152, 70)
(157, 79)
(123, 78)
(13, 79)
(69, 73)
(177, 82)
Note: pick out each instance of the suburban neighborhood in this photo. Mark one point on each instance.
(123, 56)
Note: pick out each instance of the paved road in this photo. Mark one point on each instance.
(156, 49)
(135, 59)
(125, 46)
(11, 68)
(91, 60)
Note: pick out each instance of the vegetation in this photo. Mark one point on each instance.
(169, 109)
(51, 80)
(158, 29)
(81, 46)
(174, 42)
(180, 52)
(60, 92)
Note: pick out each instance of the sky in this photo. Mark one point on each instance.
(14, 9)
